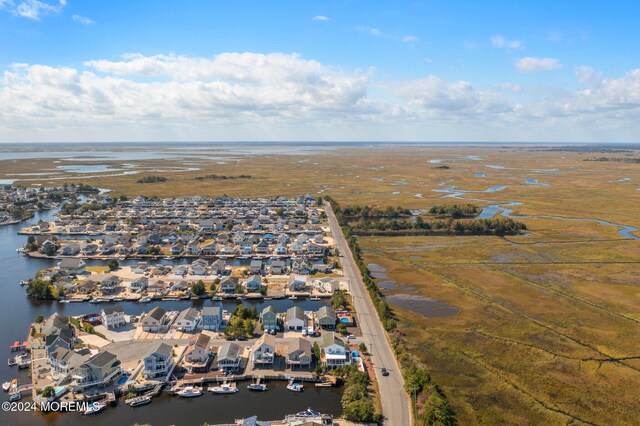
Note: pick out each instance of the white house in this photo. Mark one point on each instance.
(325, 285)
(212, 317)
(155, 321)
(187, 320)
(264, 350)
(158, 362)
(334, 352)
(113, 316)
(295, 319)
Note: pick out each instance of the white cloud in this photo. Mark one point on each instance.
(252, 96)
(321, 18)
(82, 20)
(32, 9)
(503, 43)
(375, 32)
(589, 76)
(379, 33)
(531, 64)
(410, 39)
(459, 97)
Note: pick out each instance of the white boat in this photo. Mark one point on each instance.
(6, 386)
(189, 392)
(314, 298)
(292, 297)
(295, 387)
(168, 258)
(94, 408)
(144, 300)
(138, 400)
(308, 413)
(224, 388)
(257, 386)
(12, 361)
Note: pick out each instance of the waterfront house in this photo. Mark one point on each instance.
(64, 361)
(280, 250)
(199, 267)
(187, 320)
(229, 356)
(228, 285)
(113, 316)
(326, 317)
(334, 352)
(300, 266)
(263, 351)
(63, 338)
(253, 283)
(177, 249)
(315, 250)
(70, 249)
(212, 317)
(72, 266)
(139, 284)
(158, 362)
(198, 353)
(325, 285)
(89, 250)
(255, 267)
(298, 353)
(99, 370)
(109, 284)
(277, 267)
(269, 318)
(218, 267)
(87, 287)
(297, 283)
(155, 321)
(295, 319)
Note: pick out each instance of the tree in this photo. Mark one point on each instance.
(113, 265)
(316, 351)
(339, 300)
(342, 329)
(48, 392)
(39, 319)
(363, 348)
(197, 288)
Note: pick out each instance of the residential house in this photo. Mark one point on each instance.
(139, 284)
(113, 316)
(155, 321)
(229, 356)
(253, 283)
(228, 285)
(297, 283)
(325, 285)
(110, 284)
(295, 319)
(198, 353)
(277, 267)
(70, 249)
(199, 267)
(269, 317)
(158, 362)
(334, 352)
(212, 317)
(298, 353)
(255, 267)
(99, 370)
(300, 266)
(187, 320)
(72, 266)
(326, 317)
(65, 361)
(264, 350)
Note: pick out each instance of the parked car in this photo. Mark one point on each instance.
(385, 372)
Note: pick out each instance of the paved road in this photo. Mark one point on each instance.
(396, 406)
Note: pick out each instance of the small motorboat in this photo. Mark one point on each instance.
(95, 301)
(216, 298)
(94, 408)
(138, 400)
(15, 396)
(295, 387)
(12, 361)
(314, 298)
(224, 388)
(6, 386)
(292, 297)
(144, 300)
(189, 392)
(308, 413)
(257, 386)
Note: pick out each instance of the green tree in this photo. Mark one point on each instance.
(197, 288)
(113, 265)
(48, 392)
(316, 351)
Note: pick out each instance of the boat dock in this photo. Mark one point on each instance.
(18, 346)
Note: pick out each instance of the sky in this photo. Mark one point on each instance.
(302, 70)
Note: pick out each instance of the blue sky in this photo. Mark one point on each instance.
(314, 70)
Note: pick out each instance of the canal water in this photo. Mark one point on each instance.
(17, 312)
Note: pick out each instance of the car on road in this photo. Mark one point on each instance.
(351, 336)
(385, 372)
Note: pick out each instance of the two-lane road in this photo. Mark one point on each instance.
(396, 406)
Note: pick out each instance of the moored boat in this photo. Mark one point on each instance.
(295, 387)
(138, 400)
(94, 408)
(189, 392)
(257, 386)
(308, 413)
(6, 386)
(15, 396)
(224, 388)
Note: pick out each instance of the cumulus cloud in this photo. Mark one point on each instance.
(32, 9)
(530, 64)
(82, 20)
(248, 95)
(499, 41)
(320, 18)
(459, 97)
